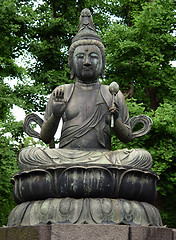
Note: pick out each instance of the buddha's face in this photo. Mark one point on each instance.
(87, 63)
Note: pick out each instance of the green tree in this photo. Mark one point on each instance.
(8, 165)
(12, 30)
(140, 49)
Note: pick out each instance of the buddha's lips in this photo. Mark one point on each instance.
(87, 68)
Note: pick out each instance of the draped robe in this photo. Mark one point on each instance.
(85, 136)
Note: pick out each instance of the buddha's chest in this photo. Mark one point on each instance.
(81, 105)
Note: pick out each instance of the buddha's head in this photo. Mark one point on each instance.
(87, 53)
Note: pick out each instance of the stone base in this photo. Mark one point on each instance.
(85, 231)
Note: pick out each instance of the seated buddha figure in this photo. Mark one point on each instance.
(88, 110)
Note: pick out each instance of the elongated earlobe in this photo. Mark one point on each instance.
(102, 74)
(72, 74)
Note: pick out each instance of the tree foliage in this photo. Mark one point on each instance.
(8, 165)
(139, 54)
(139, 40)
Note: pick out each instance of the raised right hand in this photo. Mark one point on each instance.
(59, 103)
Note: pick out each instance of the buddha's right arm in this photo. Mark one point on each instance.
(49, 129)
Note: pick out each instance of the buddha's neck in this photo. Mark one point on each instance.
(87, 85)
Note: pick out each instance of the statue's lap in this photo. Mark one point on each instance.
(36, 156)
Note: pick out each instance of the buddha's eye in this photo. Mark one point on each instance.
(94, 56)
(80, 56)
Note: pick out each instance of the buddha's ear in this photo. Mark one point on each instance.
(72, 74)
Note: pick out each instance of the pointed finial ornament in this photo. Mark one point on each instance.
(86, 27)
(86, 20)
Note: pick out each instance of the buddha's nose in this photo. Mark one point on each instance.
(87, 61)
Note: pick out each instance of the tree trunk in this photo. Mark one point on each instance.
(130, 92)
(154, 100)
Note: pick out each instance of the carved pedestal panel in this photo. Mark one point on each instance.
(85, 211)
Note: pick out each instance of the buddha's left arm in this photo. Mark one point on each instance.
(122, 131)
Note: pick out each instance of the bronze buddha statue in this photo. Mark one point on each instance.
(83, 181)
